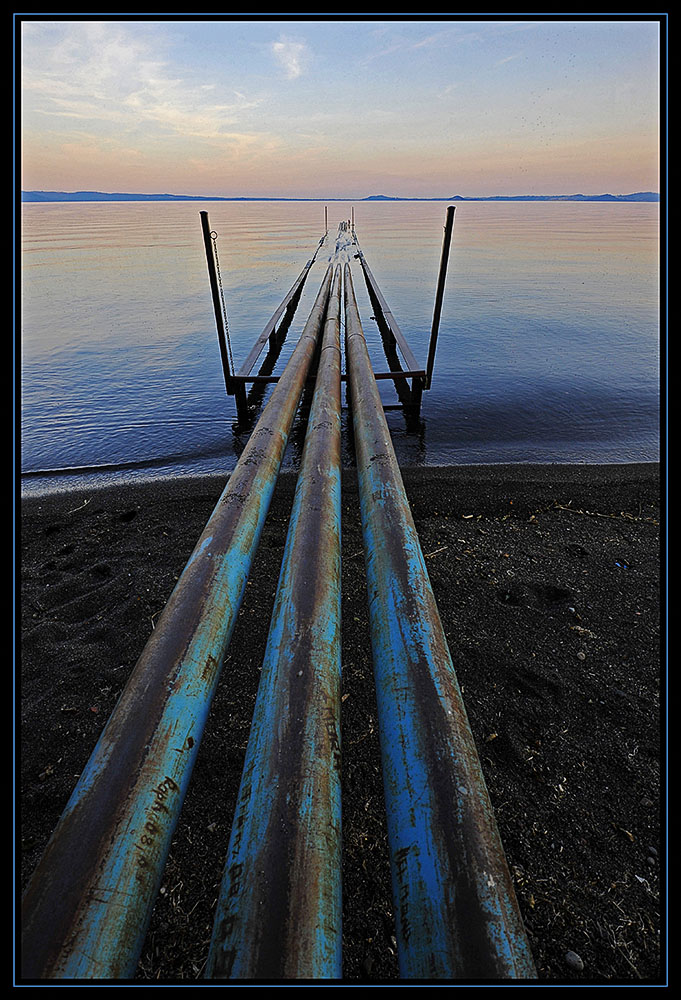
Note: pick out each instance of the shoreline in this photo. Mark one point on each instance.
(58, 481)
(548, 581)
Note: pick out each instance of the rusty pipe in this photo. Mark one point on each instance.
(87, 907)
(279, 911)
(455, 908)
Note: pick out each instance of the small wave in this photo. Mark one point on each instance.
(179, 459)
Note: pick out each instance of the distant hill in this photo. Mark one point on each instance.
(32, 196)
(636, 196)
(105, 196)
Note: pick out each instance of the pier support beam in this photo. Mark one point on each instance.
(217, 304)
(439, 295)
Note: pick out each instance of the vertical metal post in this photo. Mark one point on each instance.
(241, 402)
(279, 911)
(217, 306)
(455, 908)
(326, 219)
(439, 294)
(87, 907)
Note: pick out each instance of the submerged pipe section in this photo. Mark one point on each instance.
(87, 907)
(279, 911)
(455, 908)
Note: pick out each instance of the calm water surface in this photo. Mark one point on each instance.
(548, 347)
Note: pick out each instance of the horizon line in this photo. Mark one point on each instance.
(43, 194)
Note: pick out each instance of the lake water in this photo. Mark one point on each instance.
(549, 346)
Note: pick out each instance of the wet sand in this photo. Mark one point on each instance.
(548, 584)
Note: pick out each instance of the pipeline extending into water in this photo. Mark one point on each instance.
(455, 908)
(88, 904)
(280, 907)
(87, 907)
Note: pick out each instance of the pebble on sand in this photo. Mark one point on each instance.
(574, 961)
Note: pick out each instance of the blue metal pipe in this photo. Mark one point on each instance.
(87, 907)
(455, 908)
(280, 908)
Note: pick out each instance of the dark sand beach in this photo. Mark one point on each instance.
(548, 582)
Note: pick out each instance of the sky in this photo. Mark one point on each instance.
(340, 108)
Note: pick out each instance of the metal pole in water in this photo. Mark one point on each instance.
(455, 908)
(279, 912)
(217, 306)
(439, 294)
(87, 907)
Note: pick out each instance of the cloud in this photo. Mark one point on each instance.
(390, 43)
(502, 62)
(291, 56)
(105, 75)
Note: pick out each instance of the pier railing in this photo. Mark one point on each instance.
(278, 917)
